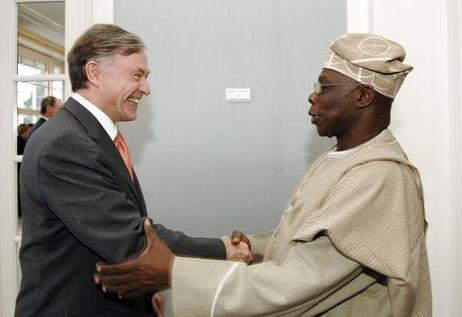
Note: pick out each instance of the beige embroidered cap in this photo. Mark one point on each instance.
(371, 60)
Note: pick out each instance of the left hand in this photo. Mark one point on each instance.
(237, 249)
(146, 274)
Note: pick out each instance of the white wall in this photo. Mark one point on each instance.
(207, 166)
(426, 120)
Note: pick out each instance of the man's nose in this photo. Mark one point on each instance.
(312, 98)
(145, 87)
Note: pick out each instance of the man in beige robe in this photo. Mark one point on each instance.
(351, 242)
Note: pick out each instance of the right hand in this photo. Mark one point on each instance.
(238, 247)
(238, 236)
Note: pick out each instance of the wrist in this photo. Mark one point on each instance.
(227, 243)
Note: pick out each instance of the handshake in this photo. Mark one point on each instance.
(151, 270)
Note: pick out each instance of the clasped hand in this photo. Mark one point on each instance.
(151, 270)
(238, 247)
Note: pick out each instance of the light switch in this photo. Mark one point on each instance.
(237, 95)
(231, 95)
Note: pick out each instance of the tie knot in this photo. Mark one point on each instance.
(119, 138)
(121, 146)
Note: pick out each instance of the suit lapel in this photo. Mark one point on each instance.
(121, 170)
(97, 133)
(42, 121)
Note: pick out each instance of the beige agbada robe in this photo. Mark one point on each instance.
(351, 243)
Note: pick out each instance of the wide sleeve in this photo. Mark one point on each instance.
(375, 216)
(80, 188)
(259, 244)
(309, 273)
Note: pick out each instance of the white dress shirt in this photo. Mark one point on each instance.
(108, 125)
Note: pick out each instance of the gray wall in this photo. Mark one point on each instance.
(207, 166)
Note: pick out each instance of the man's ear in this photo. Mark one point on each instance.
(366, 96)
(93, 71)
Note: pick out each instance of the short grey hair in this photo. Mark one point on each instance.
(99, 41)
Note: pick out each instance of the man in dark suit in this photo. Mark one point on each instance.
(23, 130)
(82, 202)
(48, 107)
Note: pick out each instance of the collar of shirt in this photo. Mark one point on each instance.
(342, 154)
(102, 118)
(43, 117)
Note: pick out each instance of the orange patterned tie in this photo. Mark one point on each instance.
(120, 144)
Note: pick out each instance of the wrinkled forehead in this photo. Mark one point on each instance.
(134, 61)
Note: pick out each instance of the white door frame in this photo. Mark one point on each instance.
(8, 202)
(80, 14)
(455, 99)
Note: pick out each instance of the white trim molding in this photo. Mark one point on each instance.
(8, 205)
(39, 21)
(40, 49)
(48, 77)
(360, 16)
(27, 1)
(80, 15)
(8, 201)
(455, 101)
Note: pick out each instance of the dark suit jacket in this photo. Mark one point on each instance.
(80, 206)
(36, 125)
(20, 144)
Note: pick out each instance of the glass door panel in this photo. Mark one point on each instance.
(39, 67)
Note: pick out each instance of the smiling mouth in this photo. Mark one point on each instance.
(134, 100)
